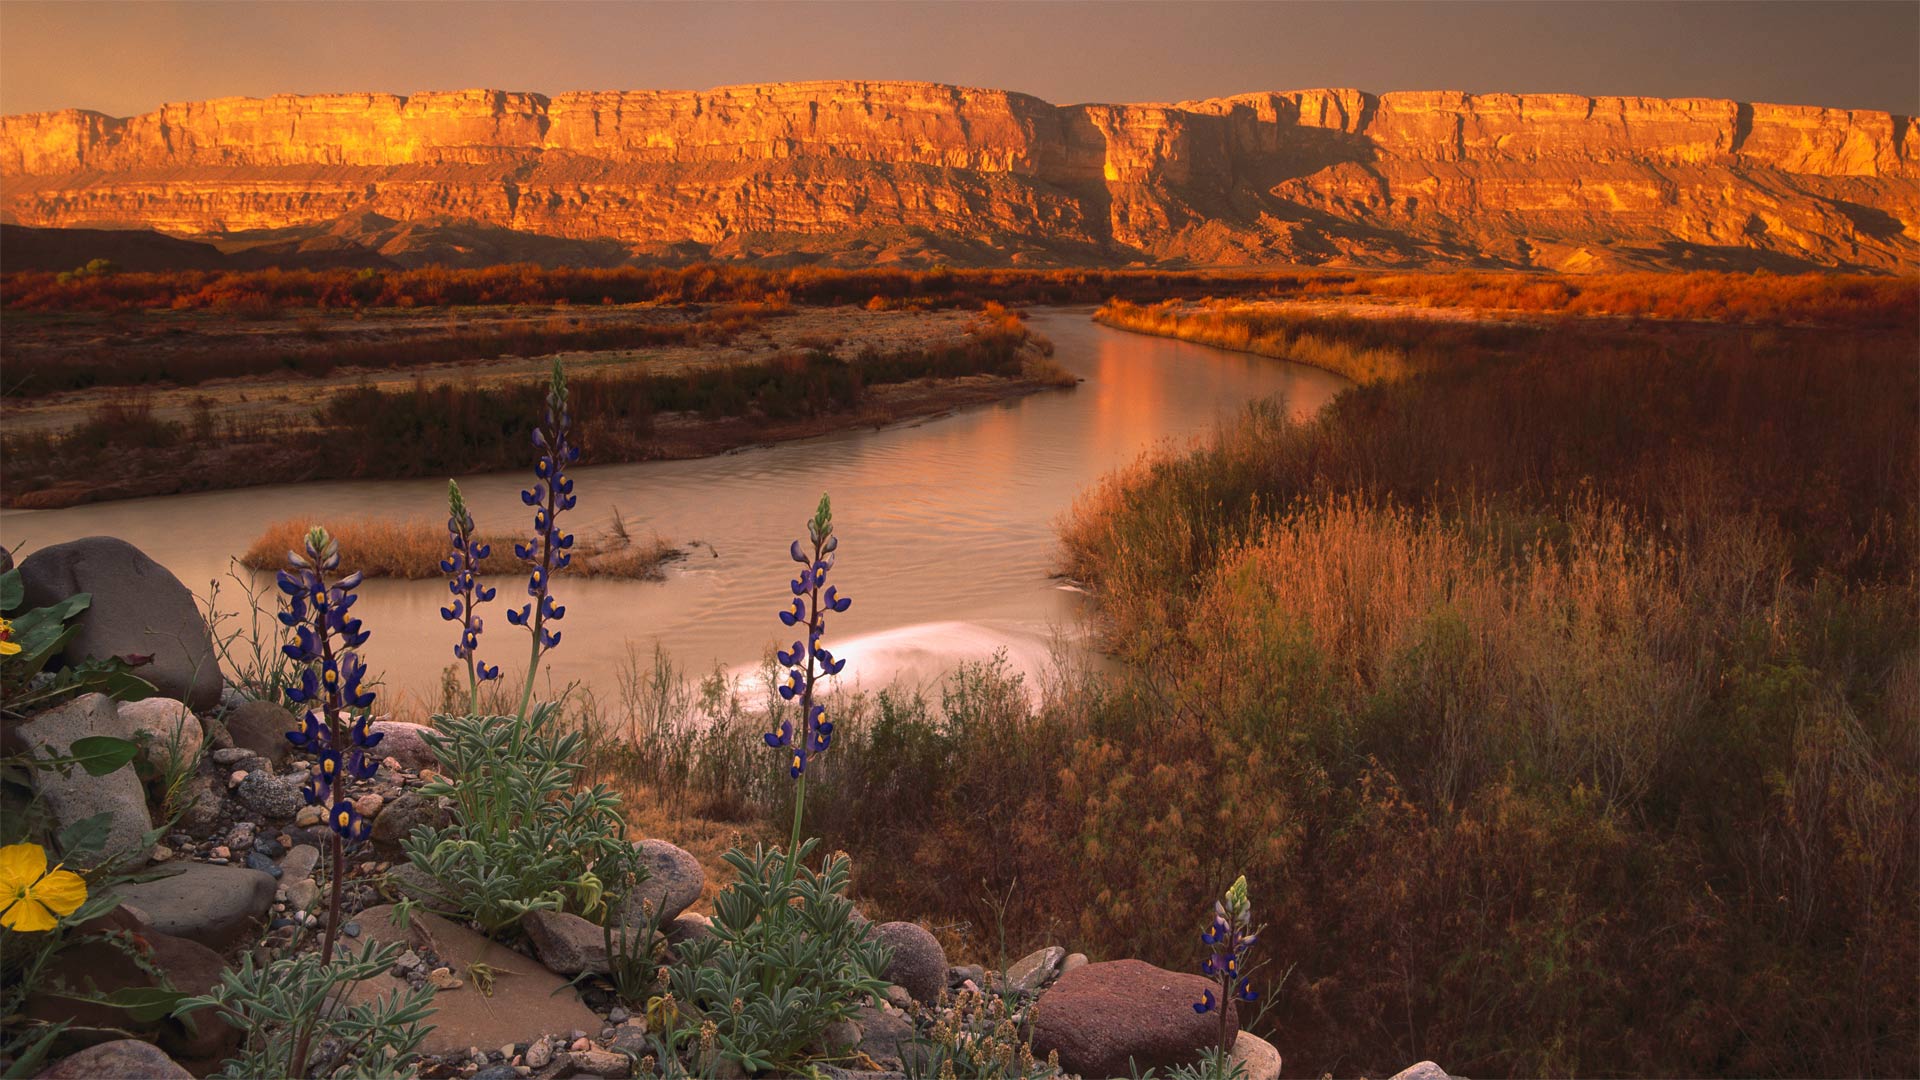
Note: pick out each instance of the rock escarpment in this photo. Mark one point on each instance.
(866, 172)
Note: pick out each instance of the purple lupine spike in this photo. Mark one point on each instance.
(807, 661)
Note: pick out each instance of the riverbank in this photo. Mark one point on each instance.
(797, 375)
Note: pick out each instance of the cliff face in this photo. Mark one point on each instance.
(859, 172)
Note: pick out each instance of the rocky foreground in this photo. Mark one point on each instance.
(865, 172)
(237, 874)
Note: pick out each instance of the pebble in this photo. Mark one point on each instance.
(540, 1053)
(309, 816)
(234, 778)
(223, 853)
(241, 837)
(409, 962)
(507, 1050)
(352, 929)
(161, 853)
(580, 1044)
(270, 847)
(617, 1015)
(232, 755)
(369, 804)
(260, 862)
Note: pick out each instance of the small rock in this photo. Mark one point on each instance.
(1425, 1070)
(580, 1043)
(232, 756)
(260, 728)
(898, 997)
(222, 852)
(408, 963)
(241, 837)
(497, 1072)
(1035, 969)
(603, 1063)
(539, 1053)
(302, 894)
(369, 804)
(617, 1015)
(918, 963)
(444, 978)
(237, 777)
(1073, 960)
(260, 862)
(352, 929)
(273, 797)
(1258, 1059)
(403, 815)
(309, 816)
(161, 853)
(958, 975)
(301, 860)
(841, 1037)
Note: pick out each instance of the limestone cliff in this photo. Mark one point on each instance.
(864, 172)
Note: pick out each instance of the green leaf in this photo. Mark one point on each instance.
(144, 1003)
(12, 591)
(87, 834)
(101, 754)
(118, 684)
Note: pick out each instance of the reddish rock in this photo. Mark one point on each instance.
(1107, 1019)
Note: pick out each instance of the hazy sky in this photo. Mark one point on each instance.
(126, 58)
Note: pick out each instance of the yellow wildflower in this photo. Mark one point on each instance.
(31, 894)
(8, 646)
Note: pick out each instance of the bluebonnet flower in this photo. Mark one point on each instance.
(462, 567)
(808, 659)
(547, 552)
(1228, 940)
(335, 727)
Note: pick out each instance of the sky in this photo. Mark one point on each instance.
(128, 58)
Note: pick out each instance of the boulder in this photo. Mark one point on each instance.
(1107, 1019)
(200, 806)
(213, 905)
(92, 961)
(1424, 1070)
(1032, 971)
(889, 1039)
(688, 926)
(1073, 960)
(261, 726)
(77, 796)
(400, 817)
(299, 862)
(138, 609)
(276, 797)
(567, 944)
(524, 1003)
(169, 734)
(404, 743)
(674, 881)
(918, 963)
(1256, 1057)
(122, 1059)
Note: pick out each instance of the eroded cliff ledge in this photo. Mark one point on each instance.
(865, 172)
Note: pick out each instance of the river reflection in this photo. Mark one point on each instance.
(947, 525)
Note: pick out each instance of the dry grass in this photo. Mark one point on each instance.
(413, 549)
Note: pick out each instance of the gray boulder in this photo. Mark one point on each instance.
(918, 963)
(1107, 1019)
(674, 881)
(169, 734)
(262, 726)
(138, 608)
(567, 944)
(77, 796)
(121, 1059)
(213, 905)
(400, 817)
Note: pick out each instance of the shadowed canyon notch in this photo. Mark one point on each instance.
(863, 172)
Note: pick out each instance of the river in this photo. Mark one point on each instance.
(947, 525)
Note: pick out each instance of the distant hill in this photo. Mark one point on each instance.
(865, 173)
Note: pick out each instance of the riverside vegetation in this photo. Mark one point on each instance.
(1552, 690)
